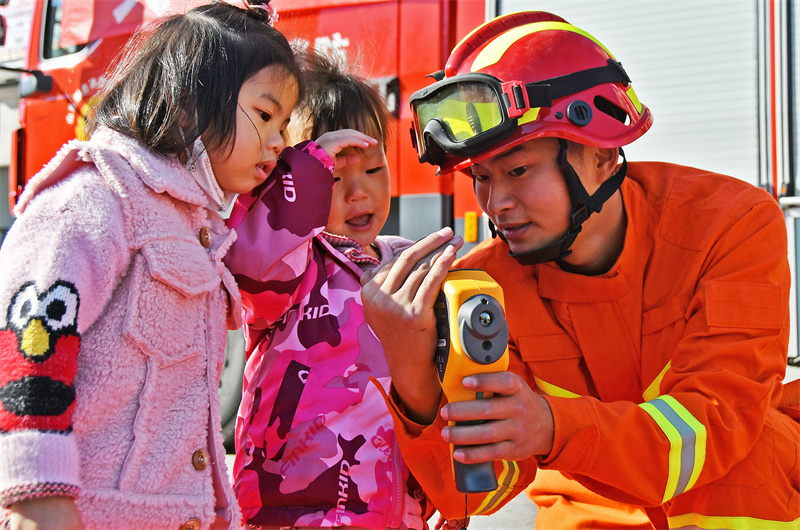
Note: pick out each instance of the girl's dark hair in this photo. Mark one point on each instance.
(336, 99)
(181, 77)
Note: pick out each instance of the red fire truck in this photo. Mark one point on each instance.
(394, 43)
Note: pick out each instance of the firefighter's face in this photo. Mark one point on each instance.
(265, 104)
(361, 196)
(524, 194)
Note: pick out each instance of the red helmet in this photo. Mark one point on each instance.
(519, 77)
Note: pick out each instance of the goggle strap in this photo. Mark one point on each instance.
(516, 98)
(542, 93)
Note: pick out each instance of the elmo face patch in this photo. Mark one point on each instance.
(39, 358)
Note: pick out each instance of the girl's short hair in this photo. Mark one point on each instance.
(337, 99)
(181, 77)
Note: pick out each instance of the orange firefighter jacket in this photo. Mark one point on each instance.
(663, 375)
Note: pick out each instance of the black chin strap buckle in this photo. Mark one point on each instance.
(579, 216)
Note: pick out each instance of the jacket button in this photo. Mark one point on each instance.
(205, 237)
(191, 524)
(200, 459)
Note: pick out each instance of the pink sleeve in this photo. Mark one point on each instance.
(275, 225)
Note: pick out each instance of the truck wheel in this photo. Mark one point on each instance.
(230, 386)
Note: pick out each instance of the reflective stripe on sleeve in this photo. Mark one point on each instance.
(696, 520)
(507, 480)
(687, 440)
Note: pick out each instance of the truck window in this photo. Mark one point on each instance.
(52, 33)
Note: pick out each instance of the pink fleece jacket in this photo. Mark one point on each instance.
(114, 305)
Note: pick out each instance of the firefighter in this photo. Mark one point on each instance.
(647, 304)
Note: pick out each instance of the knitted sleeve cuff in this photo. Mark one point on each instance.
(35, 463)
(33, 491)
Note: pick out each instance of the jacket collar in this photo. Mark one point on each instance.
(163, 174)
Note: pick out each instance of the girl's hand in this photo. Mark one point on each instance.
(45, 513)
(334, 142)
(398, 304)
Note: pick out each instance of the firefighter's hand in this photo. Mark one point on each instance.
(520, 423)
(335, 142)
(398, 305)
(44, 513)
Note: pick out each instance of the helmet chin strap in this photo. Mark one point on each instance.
(583, 205)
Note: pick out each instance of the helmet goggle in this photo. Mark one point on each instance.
(465, 114)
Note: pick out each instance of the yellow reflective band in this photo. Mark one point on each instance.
(675, 443)
(494, 51)
(634, 99)
(507, 480)
(553, 390)
(701, 437)
(530, 115)
(687, 439)
(697, 520)
(654, 389)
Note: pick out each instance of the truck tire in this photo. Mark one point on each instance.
(230, 386)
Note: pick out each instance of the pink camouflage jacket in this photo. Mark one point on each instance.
(315, 445)
(114, 307)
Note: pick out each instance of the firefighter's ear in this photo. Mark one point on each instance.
(605, 161)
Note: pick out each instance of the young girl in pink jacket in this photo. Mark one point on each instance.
(315, 445)
(114, 299)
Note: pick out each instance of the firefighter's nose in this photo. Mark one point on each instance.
(35, 339)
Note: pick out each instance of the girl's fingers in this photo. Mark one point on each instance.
(333, 142)
(428, 290)
(402, 267)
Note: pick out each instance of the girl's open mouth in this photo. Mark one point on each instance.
(360, 221)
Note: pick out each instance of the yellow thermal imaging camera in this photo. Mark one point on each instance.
(473, 338)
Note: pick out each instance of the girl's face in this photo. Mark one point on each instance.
(361, 196)
(265, 102)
